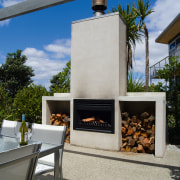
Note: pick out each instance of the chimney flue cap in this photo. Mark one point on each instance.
(99, 6)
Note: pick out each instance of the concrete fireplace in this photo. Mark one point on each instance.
(99, 75)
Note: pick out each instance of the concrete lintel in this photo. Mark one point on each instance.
(55, 98)
(27, 7)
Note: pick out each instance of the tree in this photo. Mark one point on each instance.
(29, 101)
(5, 104)
(132, 30)
(61, 81)
(14, 75)
(171, 74)
(143, 10)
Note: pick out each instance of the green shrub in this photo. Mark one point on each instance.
(135, 83)
(5, 104)
(28, 101)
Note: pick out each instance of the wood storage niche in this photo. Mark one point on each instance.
(61, 119)
(138, 126)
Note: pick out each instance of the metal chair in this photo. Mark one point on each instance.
(20, 163)
(53, 135)
(8, 128)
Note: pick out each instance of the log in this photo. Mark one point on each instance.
(134, 129)
(136, 135)
(146, 143)
(149, 132)
(101, 121)
(128, 148)
(67, 119)
(141, 138)
(52, 120)
(124, 140)
(152, 140)
(151, 118)
(131, 142)
(123, 150)
(144, 134)
(63, 116)
(124, 144)
(58, 115)
(153, 128)
(67, 131)
(130, 131)
(123, 130)
(152, 147)
(134, 149)
(89, 119)
(125, 115)
(129, 137)
(134, 119)
(140, 148)
(132, 124)
(144, 115)
(57, 123)
(139, 126)
(125, 124)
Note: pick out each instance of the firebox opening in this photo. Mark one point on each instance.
(94, 115)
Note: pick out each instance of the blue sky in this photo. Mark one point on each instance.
(45, 35)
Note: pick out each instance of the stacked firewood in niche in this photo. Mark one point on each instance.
(138, 133)
(61, 119)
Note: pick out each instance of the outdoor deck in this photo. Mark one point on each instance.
(90, 164)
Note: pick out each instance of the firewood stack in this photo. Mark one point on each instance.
(61, 119)
(138, 133)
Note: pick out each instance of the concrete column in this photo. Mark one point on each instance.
(98, 71)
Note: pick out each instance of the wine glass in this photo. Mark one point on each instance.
(16, 131)
(29, 125)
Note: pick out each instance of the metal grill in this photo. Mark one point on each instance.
(94, 115)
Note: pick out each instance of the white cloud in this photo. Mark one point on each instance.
(165, 12)
(4, 23)
(43, 65)
(5, 3)
(60, 48)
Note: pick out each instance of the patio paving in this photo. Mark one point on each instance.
(90, 164)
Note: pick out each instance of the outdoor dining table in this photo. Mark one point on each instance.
(8, 143)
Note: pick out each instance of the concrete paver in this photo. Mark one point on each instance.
(81, 163)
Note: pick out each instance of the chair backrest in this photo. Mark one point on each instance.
(20, 163)
(48, 133)
(8, 128)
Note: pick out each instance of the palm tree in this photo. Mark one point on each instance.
(143, 10)
(132, 30)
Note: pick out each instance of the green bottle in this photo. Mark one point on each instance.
(24, 132)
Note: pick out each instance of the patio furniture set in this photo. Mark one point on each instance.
(42, 154)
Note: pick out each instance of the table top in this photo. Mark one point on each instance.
(8, 143)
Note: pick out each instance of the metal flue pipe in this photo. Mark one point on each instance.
(99, 6)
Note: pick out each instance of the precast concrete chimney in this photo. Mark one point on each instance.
(99, 6)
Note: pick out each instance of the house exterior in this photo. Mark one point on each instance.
(171, 37)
